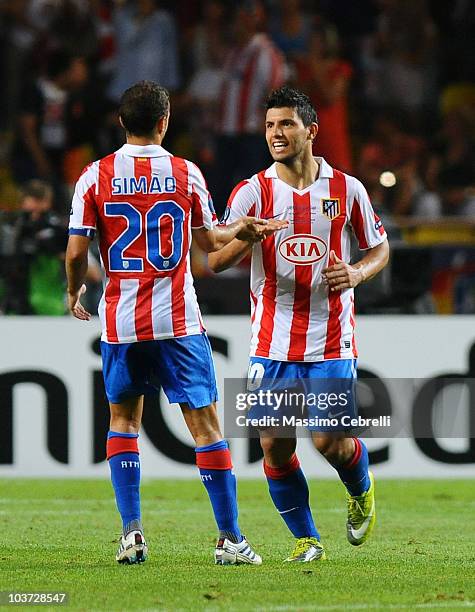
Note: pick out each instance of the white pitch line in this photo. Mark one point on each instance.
(431, 605)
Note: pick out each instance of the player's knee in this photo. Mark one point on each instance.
(126, 424)
(268, 445)
(277, 452)
(322, 444)
(207, 436)
(333, 450)
(205, 432)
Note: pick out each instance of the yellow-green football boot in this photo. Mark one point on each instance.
(306, 550)
(361, 515)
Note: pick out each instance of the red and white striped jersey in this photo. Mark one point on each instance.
(250, 73)
(294, 316)
(144, 202)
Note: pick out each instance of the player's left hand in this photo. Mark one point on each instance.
(340, 275)
(75, 306)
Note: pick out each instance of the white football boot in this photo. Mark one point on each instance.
(229, 553)
(132, 548)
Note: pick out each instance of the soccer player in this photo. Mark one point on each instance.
(302, 302)
(146, 205)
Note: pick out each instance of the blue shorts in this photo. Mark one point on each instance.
(324, 390)
(183, 367)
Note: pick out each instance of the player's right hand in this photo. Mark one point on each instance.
(255, 230)
(75, 306)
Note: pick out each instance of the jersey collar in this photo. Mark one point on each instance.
(326, 171)
(143, 151)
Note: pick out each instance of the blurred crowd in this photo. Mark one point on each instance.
(392, 81)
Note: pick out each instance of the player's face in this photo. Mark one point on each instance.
(286, 135)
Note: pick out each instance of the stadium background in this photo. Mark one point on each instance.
(393, 86)
(392, 82)
(395, 78)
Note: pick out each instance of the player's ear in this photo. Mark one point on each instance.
(121, 122)
(162, 124)
(313, 131)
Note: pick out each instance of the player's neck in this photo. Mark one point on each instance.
(299, 174)
(143, 141)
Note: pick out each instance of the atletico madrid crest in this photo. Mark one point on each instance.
(331, 207)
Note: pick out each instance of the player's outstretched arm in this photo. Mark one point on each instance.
(76, 269)
(340, 275)
(248, 229)
(239, 247)
(230, 255)
(214, 239)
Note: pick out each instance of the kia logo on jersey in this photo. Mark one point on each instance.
(303, 249)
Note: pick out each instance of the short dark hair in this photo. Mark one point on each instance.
(293, 98)
(141, 107)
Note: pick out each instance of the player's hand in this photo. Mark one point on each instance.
(255, 230)
(75, 306)
(340, 275)
(272, 226)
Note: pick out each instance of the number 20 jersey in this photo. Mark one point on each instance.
(143, 202)
(294, 316)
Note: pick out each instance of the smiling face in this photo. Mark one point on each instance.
(286, 135)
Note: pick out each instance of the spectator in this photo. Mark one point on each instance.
(42, 133)
(253, 67)
(392, 151)
(200, 102)
(106, 56)
(291, 29)
(456, 142)
(456, 23)
(85, 122)
(426, 201)
(404, 51)
(325, 77)
(451, 165)
(146, 47)
(36, 283)
(209, 38)
(65, 24)
(72, 27)
(457, 184)
(17, 39)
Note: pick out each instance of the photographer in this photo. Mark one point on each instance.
(36, 280)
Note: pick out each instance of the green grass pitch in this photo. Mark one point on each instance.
(59, 535)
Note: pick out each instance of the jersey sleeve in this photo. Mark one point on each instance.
(202, 210)
(83, 216)
(367, 226)
(242, 202)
